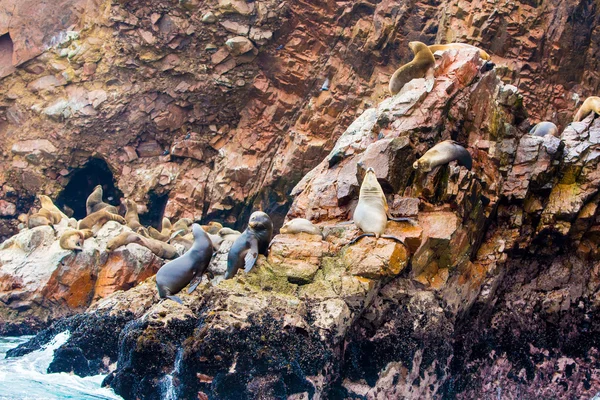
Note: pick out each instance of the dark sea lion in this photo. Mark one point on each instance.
(97, 219)
(252, 242)
(131, 215)
(417, 68)
(591, 104)
(371, 212)
(177, 274)
(544, 128)
(443, 153)
(459, 46)
(94, 202)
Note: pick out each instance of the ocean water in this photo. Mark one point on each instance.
(24, 378)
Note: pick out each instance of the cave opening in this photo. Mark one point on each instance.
(6, 54)
(156, 209)
(84, 180)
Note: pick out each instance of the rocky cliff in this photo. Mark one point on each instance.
(494, 291)
(207, 109)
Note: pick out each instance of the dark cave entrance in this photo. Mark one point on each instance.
(6, 55)
(94, 172)
(156, 209)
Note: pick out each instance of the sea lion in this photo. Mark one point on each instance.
(154, 234)
(252, 242)
(212, 227)
(183, 223)
(371, 212)
(298, 225)
(166, 227)
(94, 202)
(459, 46)
(544, 128)
(417, 68)
(131, 215)
(161, 249)
(177, 274)
(47, 203)
(590, 104)
(41, 218)
(216, 241)
(97, 219)
(229, 234)
(443, 153)
(72, 239)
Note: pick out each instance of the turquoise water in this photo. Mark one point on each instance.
(24, 378)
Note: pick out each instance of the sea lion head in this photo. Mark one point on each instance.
(370, 183)
(260, 221)
(78, 242)
(417, 46)
(422, 164)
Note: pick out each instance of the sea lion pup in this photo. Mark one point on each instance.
(544, 128)
(590, 104)
(72, 239)
(154, 234)
(252, 242)
(131, 215)
(417, 68)
(298, 225)
(177, 274)
(371, 212)
(459, 46)
(160, 249)
(212, 227)
(41, 218)
(47, 203)
(94, 202)
(97, 219)
(443, 153)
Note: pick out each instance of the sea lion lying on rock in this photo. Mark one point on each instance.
(443, 153)
(97, 219)
(299, 225)
(591, 104)
(160, 249)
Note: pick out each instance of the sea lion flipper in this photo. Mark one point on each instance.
(393, 238)
(194, 285)
(402, 219)
(356, 239)
(175, 299)
(251, 256)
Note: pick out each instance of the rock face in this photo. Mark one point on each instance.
(217, 106)
(492, 292)
(41, 282)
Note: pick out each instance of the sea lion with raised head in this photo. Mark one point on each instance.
(166, 227)
(371, 213)
(544, 128)
(72, 239)
(591, 104)
(160, 249)
(443, 153)
(459, 46)
(97, 219)
(177, 274)
(49, 205)
(417, 68)
(299, 225)
(95, 203)
(131, 215)
(154, 234)
(183, 223)
(252, 242)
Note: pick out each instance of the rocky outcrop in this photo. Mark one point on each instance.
(41, 282)
(493, 291)
(215, 107)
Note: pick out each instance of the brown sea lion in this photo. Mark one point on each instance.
(97, 219)
(131, 215)
(165, 227)
(459, 46)
(591, 104)
(161, 249)
(443, 153)
(72, 239)
(47, 203)
(94, 202)
(177, 274)
(417, 68)
(154, 234)
(298, 225)
(41, 218)
(229, 234)
(544, 128)
(252, 242)
(183, 223)
(212, 227)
